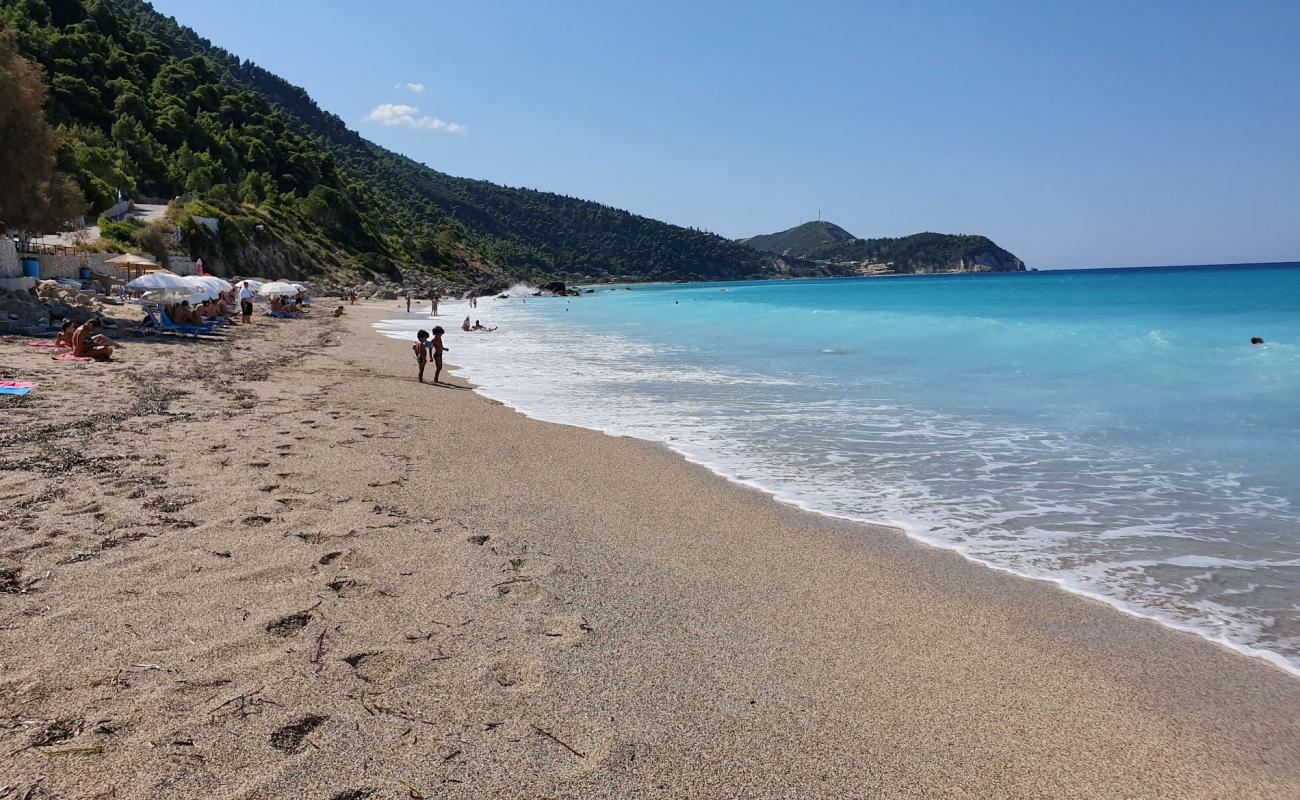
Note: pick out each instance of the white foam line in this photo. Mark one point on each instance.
(1275, 659)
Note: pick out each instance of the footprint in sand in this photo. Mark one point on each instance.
(347, 587)
(364, 793)
(256, 520)
(293, 737)
(290, 625)
(378, 666)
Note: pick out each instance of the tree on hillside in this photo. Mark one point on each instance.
(33, 196)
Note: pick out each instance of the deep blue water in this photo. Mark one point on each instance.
(1113, 430)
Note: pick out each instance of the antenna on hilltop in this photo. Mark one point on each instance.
(819, 215)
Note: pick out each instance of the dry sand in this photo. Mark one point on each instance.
(275, 566)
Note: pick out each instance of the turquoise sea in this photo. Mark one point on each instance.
(1111, 430)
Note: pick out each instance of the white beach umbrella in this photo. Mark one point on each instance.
(210, 282)
(170, 296)
(277, 288)
(160, 280)
(300, 287)
(252, 284)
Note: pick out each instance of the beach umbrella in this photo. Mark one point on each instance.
(170, 296)
(252, 284)
(131, 260)
(277, 288)
(212, 282)
(300, 287)
(161, 279)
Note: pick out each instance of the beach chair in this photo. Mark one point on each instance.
(157, 319)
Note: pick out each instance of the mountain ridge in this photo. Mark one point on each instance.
(831, 247)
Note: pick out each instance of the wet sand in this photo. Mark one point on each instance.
(276, 566)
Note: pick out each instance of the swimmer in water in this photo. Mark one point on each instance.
(1256, 340)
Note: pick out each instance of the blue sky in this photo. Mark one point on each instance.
(1073, 134)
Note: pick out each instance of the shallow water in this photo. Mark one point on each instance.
(1112, 430)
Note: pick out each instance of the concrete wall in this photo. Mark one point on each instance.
(10, 267)
(69, 265)
(181, 265)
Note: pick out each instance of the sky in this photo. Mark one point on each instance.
(1074, 134)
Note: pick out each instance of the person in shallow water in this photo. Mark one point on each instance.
(1256, 340)
(479, 326)
(465, 325)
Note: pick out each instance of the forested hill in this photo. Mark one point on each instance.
(150, 107)
(834, 249)
(799, 240)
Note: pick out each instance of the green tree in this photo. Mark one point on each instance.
(33, 195)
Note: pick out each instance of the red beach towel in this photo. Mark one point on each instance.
(17, 385)
(46, 344)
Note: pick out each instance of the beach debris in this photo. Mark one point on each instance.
(557, 740)
(355, 794)
(244, 705)
(60, 730)
(330, 557)
(167, 504)
(11, 581)
(292, 738)
(74, 751)
(412, 792)
(256, 520)
(478, 538)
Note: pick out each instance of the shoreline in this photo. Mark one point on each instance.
(1273, 659)
(276, 565)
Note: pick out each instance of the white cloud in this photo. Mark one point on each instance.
(418, 88)
(393, 114)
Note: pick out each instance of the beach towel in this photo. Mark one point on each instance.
(45, 344)
(16, 387)
(72, 357)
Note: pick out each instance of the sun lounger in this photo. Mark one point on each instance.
(157, 318)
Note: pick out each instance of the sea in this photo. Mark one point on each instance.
(1113, 431)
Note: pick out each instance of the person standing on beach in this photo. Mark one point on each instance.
(433, 300)
(438, 349)
(246, 303)
(421, 348)
(408, 302)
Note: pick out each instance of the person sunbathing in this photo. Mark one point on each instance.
(88, 342)
(186, 315)
(64, 337)
(278, 306)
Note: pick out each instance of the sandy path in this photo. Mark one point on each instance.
(276, 566)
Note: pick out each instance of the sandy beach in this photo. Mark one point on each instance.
(275, 566)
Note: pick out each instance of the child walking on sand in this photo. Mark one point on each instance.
(438, 349)
(421, 348)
